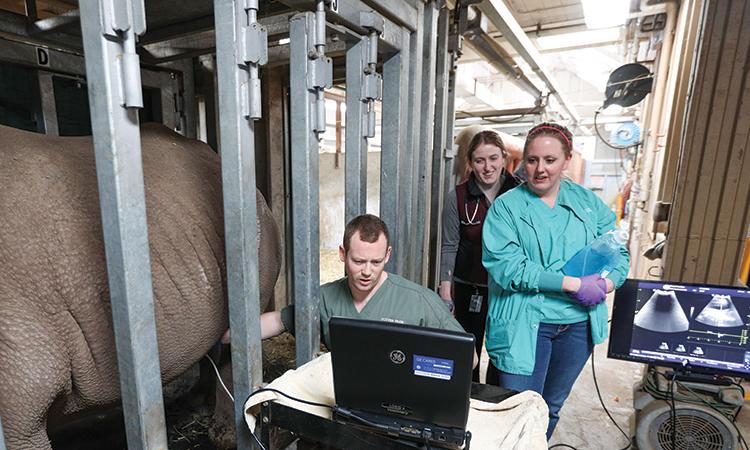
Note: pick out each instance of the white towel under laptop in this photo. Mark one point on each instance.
(518, 422)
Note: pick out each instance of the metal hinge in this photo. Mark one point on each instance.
(253, 52)
(125, 20)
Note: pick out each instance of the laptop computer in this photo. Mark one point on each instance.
(403, 380)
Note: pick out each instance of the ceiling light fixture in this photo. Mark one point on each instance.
(603, 14)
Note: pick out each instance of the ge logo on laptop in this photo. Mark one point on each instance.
(398, 357)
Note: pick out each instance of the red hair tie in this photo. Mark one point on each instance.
(557, 130)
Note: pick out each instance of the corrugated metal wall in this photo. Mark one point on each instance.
(711, 207)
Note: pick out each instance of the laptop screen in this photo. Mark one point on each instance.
(402, 371)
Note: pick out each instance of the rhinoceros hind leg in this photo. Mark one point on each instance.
(36, 371)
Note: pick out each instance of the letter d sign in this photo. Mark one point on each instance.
(42, 57)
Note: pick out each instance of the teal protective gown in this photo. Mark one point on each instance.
(524, 249)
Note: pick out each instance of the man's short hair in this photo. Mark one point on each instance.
(370, 228)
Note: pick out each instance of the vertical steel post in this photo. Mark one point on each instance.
(424, 190)
(444, 60)
(449, 180)
(409, 160)
(355, 202)
(309, 74)
(240, 49)
(109, 30)
(393, 145)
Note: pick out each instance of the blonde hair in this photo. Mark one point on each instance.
(463, 139)
(485, 137)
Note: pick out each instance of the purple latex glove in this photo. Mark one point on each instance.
(593, 290)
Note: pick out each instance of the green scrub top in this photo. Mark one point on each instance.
(558, 307)
(397, 300)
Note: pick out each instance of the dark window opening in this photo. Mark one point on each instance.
(20, 100)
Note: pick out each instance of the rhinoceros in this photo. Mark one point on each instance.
(57, 351)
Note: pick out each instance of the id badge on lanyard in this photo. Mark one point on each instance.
(475, 303)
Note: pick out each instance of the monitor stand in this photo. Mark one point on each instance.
(692, 377)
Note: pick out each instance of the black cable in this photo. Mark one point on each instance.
(616, 147)
(670, 399)
(257, 440)
(260, 444)
(673, 411)
(515, 119)
(307, 402)
(563, 445)
(606, 142)
(742, 391)
(599, 394)
(655, 391)
(739, 386)
(345, 412)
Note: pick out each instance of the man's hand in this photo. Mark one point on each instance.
(226, 338)
(270, 326)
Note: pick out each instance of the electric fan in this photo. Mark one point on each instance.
(626, 134)
(701, 419)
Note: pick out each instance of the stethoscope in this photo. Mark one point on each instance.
(473, 216)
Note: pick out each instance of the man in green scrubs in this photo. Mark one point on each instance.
(368, 291)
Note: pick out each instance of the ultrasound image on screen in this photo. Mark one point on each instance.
(692, 325)
(662, 312)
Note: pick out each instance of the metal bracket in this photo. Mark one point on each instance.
(333, 5)
(254, 44)
(371, 21)
(124, 20)
(372, 88)
(319, 77)
(319, 73)
(459, 26)
(123, 15)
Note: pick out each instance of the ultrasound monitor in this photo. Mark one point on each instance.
(694, 328)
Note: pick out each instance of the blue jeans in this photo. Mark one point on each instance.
(561, 353)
